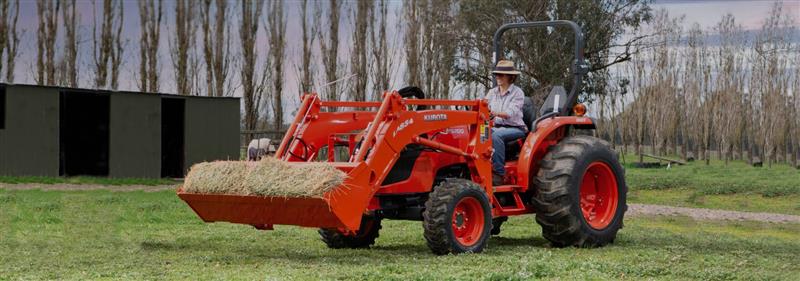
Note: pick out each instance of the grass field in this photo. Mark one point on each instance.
(86, 180)
(736, 186)
(138, 235)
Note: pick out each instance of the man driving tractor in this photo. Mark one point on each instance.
(505, 103)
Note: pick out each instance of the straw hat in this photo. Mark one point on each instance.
(505, 67)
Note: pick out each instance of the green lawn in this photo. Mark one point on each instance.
(736, 186)
(87, 180)
(138, 235)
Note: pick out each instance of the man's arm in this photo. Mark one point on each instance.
(488, 97)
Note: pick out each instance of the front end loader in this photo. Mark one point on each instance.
(411, 158)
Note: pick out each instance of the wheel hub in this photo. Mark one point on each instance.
(598, 195)
(460, 220)
(468, 221)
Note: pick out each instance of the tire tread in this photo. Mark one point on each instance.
(553, 198)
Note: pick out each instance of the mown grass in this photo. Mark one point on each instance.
(735, 186)
(87, 180)
(138, 235)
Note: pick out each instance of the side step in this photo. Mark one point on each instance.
(519, 206)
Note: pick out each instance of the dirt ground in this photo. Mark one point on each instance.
(633, 209)
(708, 214)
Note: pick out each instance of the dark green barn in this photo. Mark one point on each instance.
(51, 131)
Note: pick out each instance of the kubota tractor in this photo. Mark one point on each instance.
(430, 160)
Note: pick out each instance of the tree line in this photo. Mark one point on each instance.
(346, 49)
(724, 92)
(655, 84)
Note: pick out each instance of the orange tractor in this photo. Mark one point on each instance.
(430, 160)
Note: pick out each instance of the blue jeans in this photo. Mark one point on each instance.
(501, 135)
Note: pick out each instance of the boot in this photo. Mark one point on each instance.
(497, 179)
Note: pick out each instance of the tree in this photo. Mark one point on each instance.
(277, 43)
(412, 41)
(118, 47)
(251, 86)
(329, 49)
(216, 46)
(358, 54)
(47, 31)
(182, 45)
(795, 132)
(150, 30)
(70, 60)
(12, 44)
(443, 51)
(306, 81)
(4, 9)
(729, 84)
(108, 50)
(429, 44)
(382, 60)
(770, 83)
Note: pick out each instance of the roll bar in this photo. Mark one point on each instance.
(579, 67)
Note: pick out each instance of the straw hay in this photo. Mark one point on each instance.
(267, 177)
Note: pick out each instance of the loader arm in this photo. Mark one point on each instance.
(402, 127)
(311, 127)
(385, 133)
(395, 127)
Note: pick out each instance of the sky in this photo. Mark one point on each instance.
(704, 12)
(707, 13)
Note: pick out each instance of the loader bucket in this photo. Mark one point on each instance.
(341, 208)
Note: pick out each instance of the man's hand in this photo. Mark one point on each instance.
(499, 114)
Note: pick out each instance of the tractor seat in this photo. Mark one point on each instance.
(555, 100)
(528, 115)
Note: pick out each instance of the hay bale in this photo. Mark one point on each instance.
(267, 177)
(216, 177)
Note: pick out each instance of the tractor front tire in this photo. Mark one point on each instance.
(363, 239)
(581, 196)
(457, 218)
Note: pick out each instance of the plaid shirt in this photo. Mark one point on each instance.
(509, 103)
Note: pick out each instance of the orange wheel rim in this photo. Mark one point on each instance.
(599, 195)
(468, 221)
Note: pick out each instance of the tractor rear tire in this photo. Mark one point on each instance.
(581, 196)
(457, 218)
(363, 239)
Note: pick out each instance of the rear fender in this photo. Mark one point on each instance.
(548, 132)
